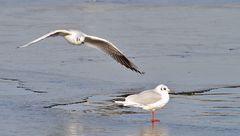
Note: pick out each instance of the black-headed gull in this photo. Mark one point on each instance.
(149, 100)
(76, 37)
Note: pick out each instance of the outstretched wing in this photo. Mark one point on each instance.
(111, 50)
(50, 34)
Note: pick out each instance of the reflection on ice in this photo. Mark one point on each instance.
(73, 129)
(152, 131)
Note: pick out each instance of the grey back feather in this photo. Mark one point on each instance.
(145, 97)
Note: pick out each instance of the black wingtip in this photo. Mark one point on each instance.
(134, 68)
(140, 72)
(120, 58)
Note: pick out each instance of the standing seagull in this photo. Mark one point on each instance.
(149, 100)
(75, 37)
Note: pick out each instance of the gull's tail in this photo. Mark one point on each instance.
(120, 102)
(126, 103)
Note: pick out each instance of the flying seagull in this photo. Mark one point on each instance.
(149, 100)
(76, 37)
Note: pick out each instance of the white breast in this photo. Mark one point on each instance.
(71, 39)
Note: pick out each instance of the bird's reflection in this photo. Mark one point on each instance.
(154, 130)
(74, 129)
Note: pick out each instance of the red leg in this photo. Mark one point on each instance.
(152, 116)
(153, 120)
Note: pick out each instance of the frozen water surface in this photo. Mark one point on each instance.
(55, 89)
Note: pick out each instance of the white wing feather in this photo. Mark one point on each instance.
(53, 33)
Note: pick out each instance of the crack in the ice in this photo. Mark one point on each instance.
(204, 90)
(21, 85)
(84, 100)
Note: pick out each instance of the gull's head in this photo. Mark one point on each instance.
(76, 37)
(80, 36)
(80, 39)
(162, 88)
